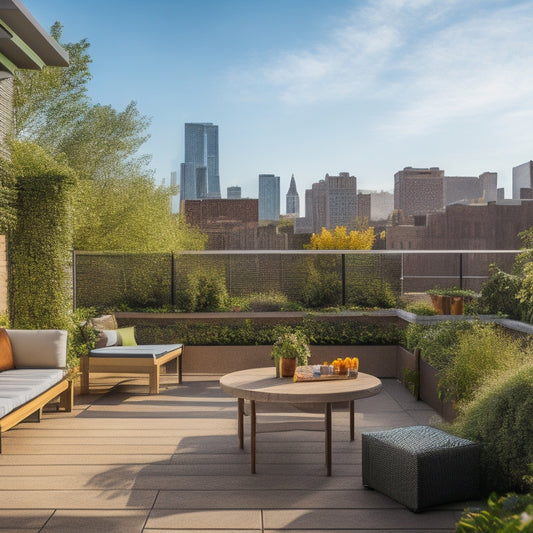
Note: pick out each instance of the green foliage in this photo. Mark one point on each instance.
(411, 380)
(512, 513)
(438, 342)
(205, 291)
(41, 240)
(117, 206)
(421, 309)
(81, 339)
(478, 354)
(247, 332)
(499, 418)
(261, 302)
(512, 294)
(525, 294)
(499, 295)
(322, 287)
(371, 293)
(291, 345)
(451, 291)
(49, 102)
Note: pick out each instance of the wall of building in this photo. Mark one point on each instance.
(466, 227)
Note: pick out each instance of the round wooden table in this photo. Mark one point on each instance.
(262, 385)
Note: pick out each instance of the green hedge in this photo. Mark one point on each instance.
(40, 243)
(248, 332)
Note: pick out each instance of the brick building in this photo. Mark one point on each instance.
(331, 202)
(491, 226)
(418, 190)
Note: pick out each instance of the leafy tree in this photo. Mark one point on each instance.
(49, 102)
(117, 205)
(130, 215)
(340, 239)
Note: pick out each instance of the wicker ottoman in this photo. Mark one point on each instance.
(420, 466)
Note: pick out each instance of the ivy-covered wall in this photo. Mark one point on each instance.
(41, 240)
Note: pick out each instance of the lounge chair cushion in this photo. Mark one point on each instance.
(19, 386)
(146, 350)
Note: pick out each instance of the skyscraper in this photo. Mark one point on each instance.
(199, 172)
(293, 200)
(234, 193)
(523, 181)
(331, 202)
(269, 193)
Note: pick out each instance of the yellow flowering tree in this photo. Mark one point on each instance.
(341, 239)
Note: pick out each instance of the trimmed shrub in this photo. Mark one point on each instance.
(499, 418)
(41, 240)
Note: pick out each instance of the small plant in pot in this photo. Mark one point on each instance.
(289, 351)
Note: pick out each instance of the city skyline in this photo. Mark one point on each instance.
(310, 87)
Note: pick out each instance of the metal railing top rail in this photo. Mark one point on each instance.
(298, 252)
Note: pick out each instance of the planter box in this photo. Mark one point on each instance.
(428, 383)
(380, 361)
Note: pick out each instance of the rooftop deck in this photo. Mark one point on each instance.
(124, 461)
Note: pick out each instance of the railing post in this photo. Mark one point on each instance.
(460, 270)
(343, 275)
(74, 276)
(172, 281)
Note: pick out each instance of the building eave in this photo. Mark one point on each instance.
(24, 43)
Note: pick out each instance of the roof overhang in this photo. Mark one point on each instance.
(24, 44)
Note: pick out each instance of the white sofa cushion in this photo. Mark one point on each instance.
(19, 386)
(39, 348)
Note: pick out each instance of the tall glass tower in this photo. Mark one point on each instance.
(268, 197)
(199, 173)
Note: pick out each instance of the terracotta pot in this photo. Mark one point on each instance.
(457, 305)
(441, 304)
(287, 367)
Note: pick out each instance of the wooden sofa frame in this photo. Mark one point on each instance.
(63, 390)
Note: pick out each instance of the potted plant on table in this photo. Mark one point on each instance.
(289, 351)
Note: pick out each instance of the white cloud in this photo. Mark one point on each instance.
(427, 61)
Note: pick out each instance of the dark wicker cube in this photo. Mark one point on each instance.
(420, 466)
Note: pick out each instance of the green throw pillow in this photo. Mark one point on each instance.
(127, 336)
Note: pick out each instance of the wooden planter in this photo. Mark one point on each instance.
(448, 305)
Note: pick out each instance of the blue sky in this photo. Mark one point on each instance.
(309, 87)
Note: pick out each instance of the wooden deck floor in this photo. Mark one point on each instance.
(125, 461)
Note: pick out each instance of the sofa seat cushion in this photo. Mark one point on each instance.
(19, 386)
(153, 351)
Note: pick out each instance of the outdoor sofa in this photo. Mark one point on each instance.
(32, 373)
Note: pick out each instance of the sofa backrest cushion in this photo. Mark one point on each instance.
(39, 348)
(6, 351)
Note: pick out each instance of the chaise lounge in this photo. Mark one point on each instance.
(32, 373)
(117, 351)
